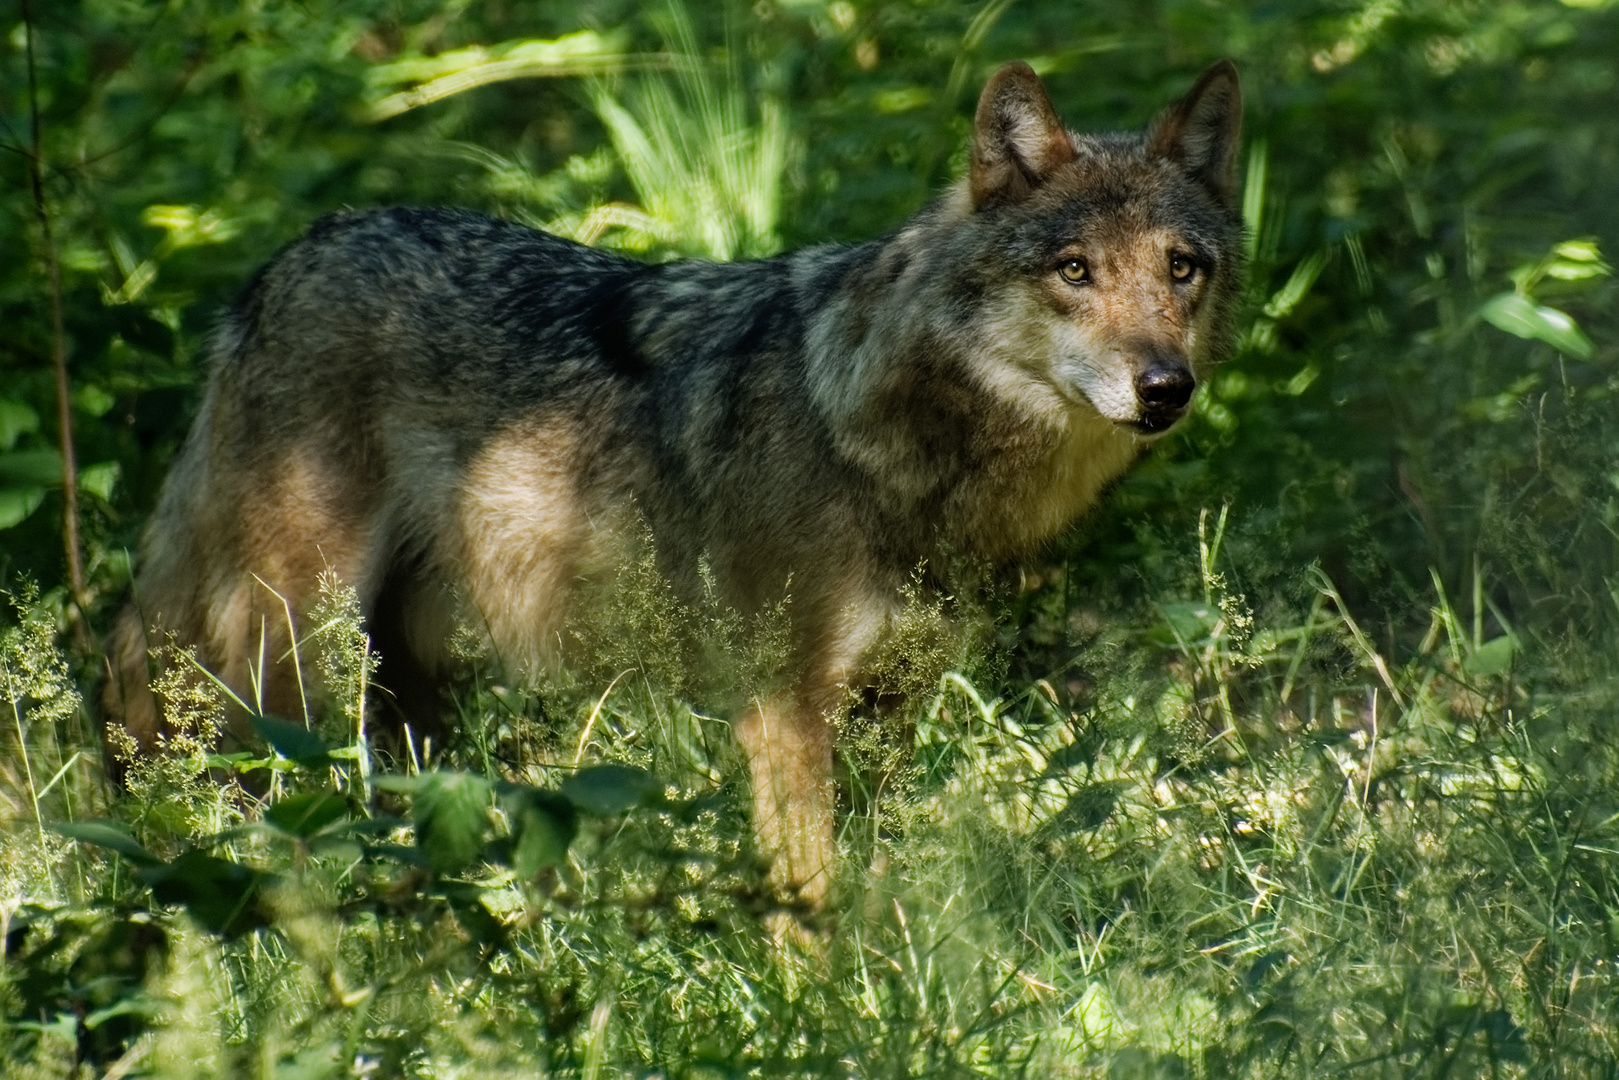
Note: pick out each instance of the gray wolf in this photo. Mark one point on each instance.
(458, 415)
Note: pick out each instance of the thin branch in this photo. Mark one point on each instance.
(64, 402)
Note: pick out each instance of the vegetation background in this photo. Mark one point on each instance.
(1297, 760)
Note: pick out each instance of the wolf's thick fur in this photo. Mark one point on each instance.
(459, 415)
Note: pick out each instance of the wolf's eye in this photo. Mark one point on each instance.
(1074, 272)
(1181, 268)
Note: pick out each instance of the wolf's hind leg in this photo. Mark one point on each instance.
(309, 515)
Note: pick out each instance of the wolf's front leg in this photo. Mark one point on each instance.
(789, 743)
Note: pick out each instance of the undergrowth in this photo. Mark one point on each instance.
(1215, 843)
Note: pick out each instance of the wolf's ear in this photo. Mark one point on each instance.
(1017, 139)
(1202, 130)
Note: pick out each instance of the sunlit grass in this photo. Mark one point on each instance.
(1284, 855)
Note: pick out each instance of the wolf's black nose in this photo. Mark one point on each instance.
(1165, 386)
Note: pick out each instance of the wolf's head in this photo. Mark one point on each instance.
(1117, 256)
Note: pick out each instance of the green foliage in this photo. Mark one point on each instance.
(1320, 782)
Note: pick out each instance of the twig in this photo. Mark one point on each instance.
(64, 403)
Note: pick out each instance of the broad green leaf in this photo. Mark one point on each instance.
(1579, 251)
(341, 848)
(99, 479)
(307, 813)
(324, 1062)
(245, 761)
(611, 789)
(34, 468)
(1522, 317)
(1191, 620)
(112, 835)
(220, 894)
(1494, 657)
(1577, 260)
(16, 503)
(467, 901)
(93, 401)
(16, 420)
(292, 740)
(451, 815)
(543, 825)
(1563, 270)
(902, 99)
(64, 1027)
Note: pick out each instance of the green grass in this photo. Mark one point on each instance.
(1205, 845)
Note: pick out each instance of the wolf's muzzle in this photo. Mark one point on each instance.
(1164, 388)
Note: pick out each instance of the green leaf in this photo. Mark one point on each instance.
(1577, 260)
(308, 813)
(605, 790)
(245, 761)
(343, 849)
(1522, 317)
(324, 1062)
(188, 227)
(99, 479)
(142, 1006)
(93, 401)
(16, 420)
(543, 825)
(292, 740)
(1189, 621)
(17, 503)
(1579, 251)
(451, 815)
(1494, 657)
(31, 468)
(112, 835)
(64, 1027)
(221, 895)
(467, 901)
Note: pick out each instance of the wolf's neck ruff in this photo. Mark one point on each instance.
(461, 417)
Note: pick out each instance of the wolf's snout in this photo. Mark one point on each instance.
(1165, 388)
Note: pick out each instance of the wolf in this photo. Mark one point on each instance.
(460, 417)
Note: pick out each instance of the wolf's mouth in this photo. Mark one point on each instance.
(1156, 423)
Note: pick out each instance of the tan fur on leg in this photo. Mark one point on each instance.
(789, 750)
